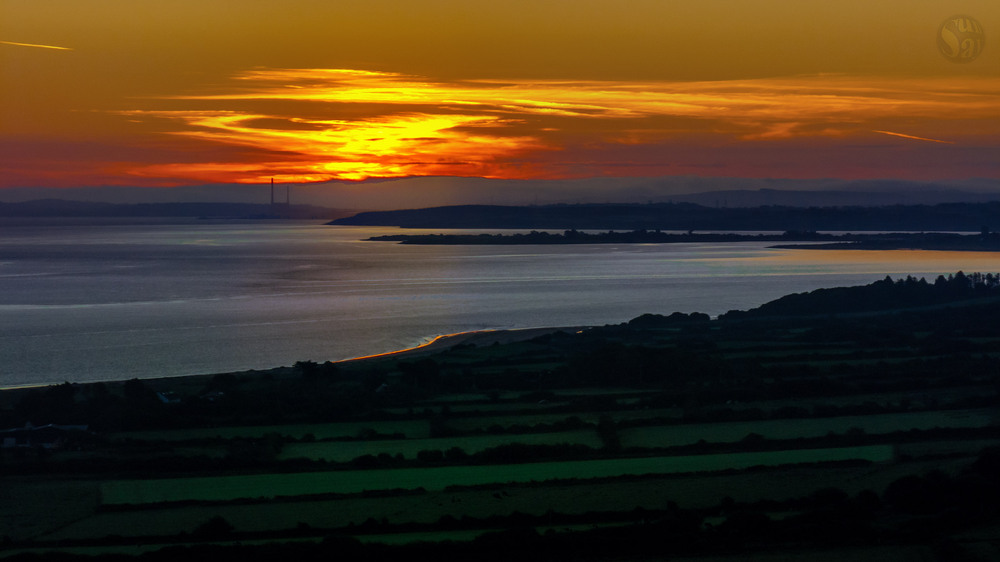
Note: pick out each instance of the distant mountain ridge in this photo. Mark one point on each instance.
(435, 191)
(66, 208)
(831, 198)
(688, 216)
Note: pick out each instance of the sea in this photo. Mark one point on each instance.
(86, 300)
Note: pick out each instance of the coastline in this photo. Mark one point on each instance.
(479, 338)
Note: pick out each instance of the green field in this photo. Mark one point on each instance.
(411, 429)
(650, 437)
(484, 422)
(502, 408)
(687, 434)
(265, 486)
(694, 490)
(343, 451)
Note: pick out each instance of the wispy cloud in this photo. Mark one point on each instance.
(35, 46)
(321, 124)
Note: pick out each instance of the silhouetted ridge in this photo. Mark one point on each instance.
(880, 295)
(497, 216)
(687, 216)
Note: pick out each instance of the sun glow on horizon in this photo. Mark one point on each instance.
(309, 125)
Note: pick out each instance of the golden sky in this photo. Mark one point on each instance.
(137, 92)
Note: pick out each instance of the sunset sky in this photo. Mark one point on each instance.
(190, 92)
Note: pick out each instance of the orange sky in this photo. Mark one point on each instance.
(126, 92)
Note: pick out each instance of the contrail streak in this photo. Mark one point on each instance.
(913, 137)
(36, 46)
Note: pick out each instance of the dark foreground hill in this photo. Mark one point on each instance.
(688, 216)
(843, 424)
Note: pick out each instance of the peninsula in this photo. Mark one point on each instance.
(983, 242)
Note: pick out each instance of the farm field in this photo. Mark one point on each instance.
(578, 497)
(136, 492)
(345, 451)
(783, 428)
(686, 434)
(649, 436)
(297, 431)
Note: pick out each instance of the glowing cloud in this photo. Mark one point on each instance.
(384, 146)
(322, 124)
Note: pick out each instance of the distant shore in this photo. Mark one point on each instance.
(943, 246)
(943, 241)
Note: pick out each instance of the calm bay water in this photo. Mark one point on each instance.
(86, 302)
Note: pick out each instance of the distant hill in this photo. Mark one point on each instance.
(65, 208)
(834, 198)
(971, 217)
(434, 191)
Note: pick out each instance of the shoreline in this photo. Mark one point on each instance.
(479, 338)
(795, 240)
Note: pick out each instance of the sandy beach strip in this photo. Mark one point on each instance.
(479, 338)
